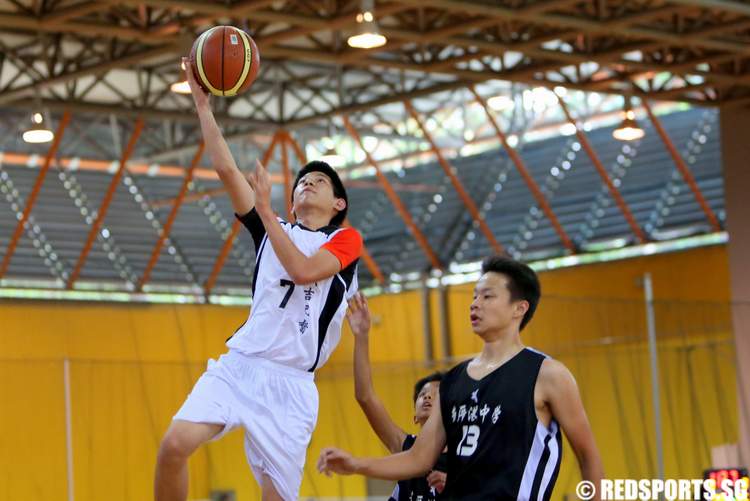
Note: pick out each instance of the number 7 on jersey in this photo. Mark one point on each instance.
(290, 284)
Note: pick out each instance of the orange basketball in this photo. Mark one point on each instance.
(225, 60)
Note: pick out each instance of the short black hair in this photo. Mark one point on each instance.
(338, 187)
(523, 284)
(435, 376)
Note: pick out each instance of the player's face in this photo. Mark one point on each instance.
(492, 310)
(315, 189)
(425, 401)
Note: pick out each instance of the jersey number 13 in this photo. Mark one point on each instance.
(468, 444)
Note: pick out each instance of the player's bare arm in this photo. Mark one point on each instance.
(415, 462)
(559, 393)
(221, 158)
(381, 422)
(301, 268)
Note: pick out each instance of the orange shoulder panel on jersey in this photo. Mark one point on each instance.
(346, 245)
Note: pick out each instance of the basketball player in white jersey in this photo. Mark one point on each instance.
(501, 413)
(304, 274)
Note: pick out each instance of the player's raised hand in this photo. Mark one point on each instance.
(260, 181)
(334, 460)
(358, 315)
(200, 96)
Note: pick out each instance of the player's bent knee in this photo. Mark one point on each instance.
(172, 447)
(176, 444)
(183, 438)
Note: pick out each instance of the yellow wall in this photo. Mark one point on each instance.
(132, 366)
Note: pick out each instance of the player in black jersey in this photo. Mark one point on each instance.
(500, 414)
(393, 437)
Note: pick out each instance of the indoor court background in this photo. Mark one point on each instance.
(128, 377)
(106, 324)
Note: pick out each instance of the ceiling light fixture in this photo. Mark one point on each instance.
(367, 33)
(38, 133)
(628, 129)
(181, 87)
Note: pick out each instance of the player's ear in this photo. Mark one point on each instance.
(340, 204)
(522, 307)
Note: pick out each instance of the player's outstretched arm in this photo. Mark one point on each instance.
(415, 462)
(381, 422)
(301, 269)
(562, 395)
(221, 158)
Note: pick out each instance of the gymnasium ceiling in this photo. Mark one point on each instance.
(119, 56)
(110, 62)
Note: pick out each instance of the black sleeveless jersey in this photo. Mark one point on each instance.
(417, 489)
(497, 449)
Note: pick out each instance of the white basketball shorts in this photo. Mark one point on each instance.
(275, 404)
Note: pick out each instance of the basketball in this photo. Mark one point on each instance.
(225, 60)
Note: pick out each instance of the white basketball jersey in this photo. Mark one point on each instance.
(297, 325)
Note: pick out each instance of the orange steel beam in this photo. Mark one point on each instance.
(224, 253)
(102, 212)
(366, 256)
(287, 176)
(521, 168)
(145, 169)
(221, 259)
(457, 185)
(170, 219)
(613, 191)
(372, 266)
(297, 148)
(391, 193)
(31, 200)
(349, 183)
(134, 168)
(683, 168)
